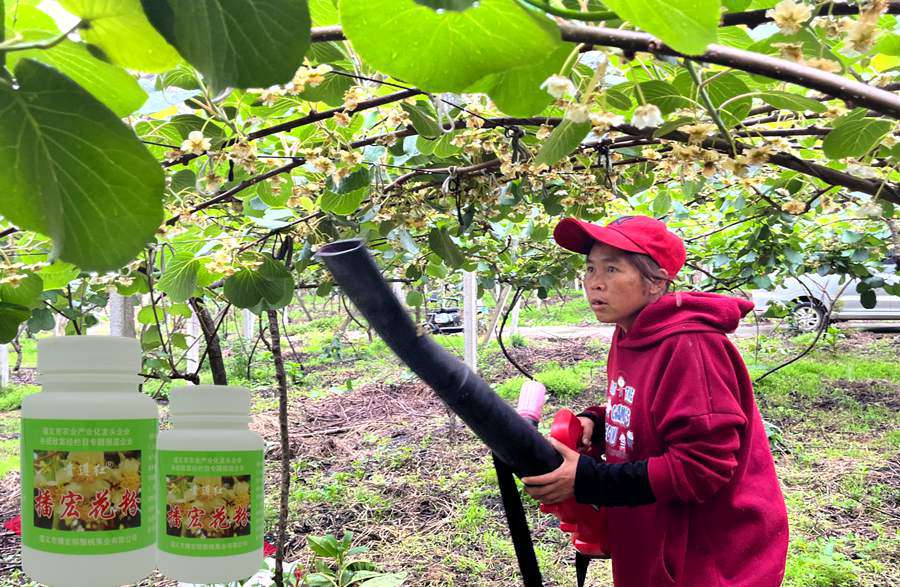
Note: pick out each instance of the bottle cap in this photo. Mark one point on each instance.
(209, 400)
(89, 354)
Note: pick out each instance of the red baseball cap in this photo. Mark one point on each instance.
(636, 234)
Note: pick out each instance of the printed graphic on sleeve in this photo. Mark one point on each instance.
(619, 435)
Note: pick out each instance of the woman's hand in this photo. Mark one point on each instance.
(558, 485)
(587, 426)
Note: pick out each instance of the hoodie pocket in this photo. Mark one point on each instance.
(674, 519)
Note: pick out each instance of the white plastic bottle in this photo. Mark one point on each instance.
(210, 487)
(88, 465)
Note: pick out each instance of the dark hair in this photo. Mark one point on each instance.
(648, 268)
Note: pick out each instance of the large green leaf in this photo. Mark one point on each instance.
(110, 84)
(268, 287)
(564, 139)
(121, 30)
(58, 274)
(345, 198)
(26, 293)
(16, 303)
(422, 118)
(11, 316)
(73, 171)
(240, 43)
(723, 92)
(685, 25)
(855, 137)
(449, 51)
(331, 91)
(518, 92)
(793, 102)
(179, 280)
(440, 242)
(663, 95)
(324, 12)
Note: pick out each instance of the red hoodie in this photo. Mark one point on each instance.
(679, 395)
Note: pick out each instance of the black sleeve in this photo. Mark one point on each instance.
(598, 437)
(619, 484)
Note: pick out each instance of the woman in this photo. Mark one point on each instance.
(688, 475)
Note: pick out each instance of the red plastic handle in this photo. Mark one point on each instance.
(567, 428)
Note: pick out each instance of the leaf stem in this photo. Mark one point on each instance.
(710, 108)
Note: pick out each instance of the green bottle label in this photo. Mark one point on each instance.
(88, 486)
(212, 502)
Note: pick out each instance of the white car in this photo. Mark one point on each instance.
(810, 296)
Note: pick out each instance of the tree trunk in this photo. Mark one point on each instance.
(303, 307)
(121, 315)
(495, 315)
(17, 346)
(285, 446)
(213, 348)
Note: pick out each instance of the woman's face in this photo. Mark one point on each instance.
(615, 289)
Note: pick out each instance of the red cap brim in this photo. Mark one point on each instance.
(579, 236)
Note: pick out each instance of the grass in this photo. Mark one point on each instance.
(11, 396)
(562, 383)
(573, 311)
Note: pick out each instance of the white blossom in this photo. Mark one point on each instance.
(578, 113)
(647, 116)
(558, 86)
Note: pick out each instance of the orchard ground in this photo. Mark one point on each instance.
(374, 452)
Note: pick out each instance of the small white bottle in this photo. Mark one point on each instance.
(211, 514)
(88, 465)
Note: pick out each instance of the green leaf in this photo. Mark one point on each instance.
(671, 125)
(179, 280)
(183, 180)
(685, 25)
(793, 102)
(345, 198)
(517, 91)
(121, 31)
(617, 99)
(888, 44)
(564, 139)
(325, 546)
(331, 91)
(271, 284)
(324, 12)
(74, 172)
(855, 137)
(734, 36)
(414, 298)
(867, 299)
(146, 316)
(449, 51)
(238, 43)
(11, 316)
(440, 242)
(270, 197)
(110, 84)
(663, 95)
(57, 275)
(662, 203)
(422, 119)
(41, 319)
(27, 293)
(722, 89)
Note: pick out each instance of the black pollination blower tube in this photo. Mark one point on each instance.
(496, 423)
